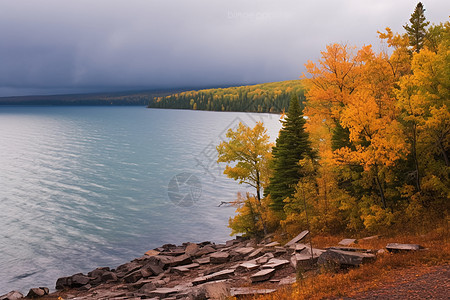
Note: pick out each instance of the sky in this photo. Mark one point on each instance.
(81, 46)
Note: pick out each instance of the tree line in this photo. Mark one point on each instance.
(263, 98)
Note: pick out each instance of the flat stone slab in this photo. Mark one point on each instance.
(273, 244)
(247, 266)
(163, 292)
(219, 257)
(246, 291)
(257, 252)
(298, 238)
(393, 247)
(299, 247)
(203, 260)
(224, 274)
(345, 258)
(152, 253)
(302, 260)
(244, 250)
(275, 263)
(351, 249)
(346, 242)
(186, 268)
(262, 275)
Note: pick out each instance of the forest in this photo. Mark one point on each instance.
(264, 98)
(372, 153)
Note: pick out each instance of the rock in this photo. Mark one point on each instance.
(346, 242)
(231, 243)
(299, 247)
(298, 238)
(315, 251)
(129, 267)
(265, 258)
(191, 249)
(62, 283)
(396, 247)
(202, 260)
(345, 258)
(133, 277)
(152, 253)
(174, 252)
(147, 287)
(370, 238)
(247, 291)
(36, 293)
(185, 268)
(109, 277)
(287, 280)
(257, 252)
(225, 274)
(247, 266)
(262, 275)
(215, 290)
(303, 261)
(205, 250)
(244, 250)
(170, 261)
(219, 257)
(78, 280)
(275, 263)
(273, 244)
(279, 251)
(351, 249)
(162, 293)
(152, 269)
(13, 295)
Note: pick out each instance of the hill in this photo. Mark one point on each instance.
(270, 97)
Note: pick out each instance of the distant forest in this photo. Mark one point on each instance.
(271, 97)
(115, 98)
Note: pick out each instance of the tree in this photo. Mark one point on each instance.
(417, 30)
(249, 148)
(292, 145)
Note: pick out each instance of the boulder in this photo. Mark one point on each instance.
(396, 247)
(205, 250)
(303, 261)
(262, 275)
(129, 267)
(109, 277)
(298, 238)
(78, 280)
(219, 257)
(151, 269)
(36, 293)
(63, 282)
(191, 249)
(13, 295)
(345, 258)
(133, 277)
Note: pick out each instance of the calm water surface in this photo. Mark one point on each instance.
(83, 187)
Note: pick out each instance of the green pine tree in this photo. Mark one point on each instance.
(416, 31)
(292, 145)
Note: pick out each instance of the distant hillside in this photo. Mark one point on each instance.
(116, 98)
(267, 97)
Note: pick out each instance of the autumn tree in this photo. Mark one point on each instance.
(247, 154)
(292, 145)
(417, 30)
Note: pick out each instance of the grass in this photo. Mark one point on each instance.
(387, 267)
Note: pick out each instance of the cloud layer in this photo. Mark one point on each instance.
(54, 46)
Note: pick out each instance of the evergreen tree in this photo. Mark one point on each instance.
(416, 31)
(292, 145)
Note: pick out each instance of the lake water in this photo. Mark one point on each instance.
(83, 187)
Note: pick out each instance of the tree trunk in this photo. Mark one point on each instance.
(380, 188)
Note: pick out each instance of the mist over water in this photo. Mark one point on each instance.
(84, 187)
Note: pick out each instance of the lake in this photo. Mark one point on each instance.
(84, 187)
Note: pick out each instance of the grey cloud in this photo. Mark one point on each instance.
(53, 45)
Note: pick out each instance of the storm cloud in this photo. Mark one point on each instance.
(73, 46)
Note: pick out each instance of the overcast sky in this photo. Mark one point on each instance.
(66, 46)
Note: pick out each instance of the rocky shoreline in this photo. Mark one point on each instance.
(240, 267)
